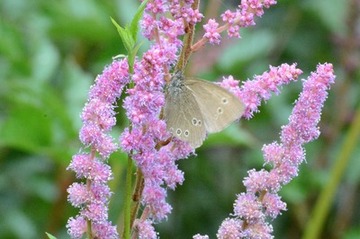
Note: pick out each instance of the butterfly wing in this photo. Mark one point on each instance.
(218, 106)
(183, 116)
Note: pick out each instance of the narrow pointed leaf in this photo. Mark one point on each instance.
(50, 236)
(125, 36)
(134, 26)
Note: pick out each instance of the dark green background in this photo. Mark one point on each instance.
(50, 54)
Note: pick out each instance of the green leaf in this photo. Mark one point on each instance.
(50, 236)
(134, 25)
(128, 34)
(125, 36)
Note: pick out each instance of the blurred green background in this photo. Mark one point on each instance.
(51, 52)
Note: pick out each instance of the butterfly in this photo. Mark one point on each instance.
(195, 107)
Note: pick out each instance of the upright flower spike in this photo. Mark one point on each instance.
(261, 201)
(144, 103)
(98, 118)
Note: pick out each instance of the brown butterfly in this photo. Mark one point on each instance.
(195, 107)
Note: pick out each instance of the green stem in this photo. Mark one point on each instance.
(128, 186)
(128, 182)
(315, 224)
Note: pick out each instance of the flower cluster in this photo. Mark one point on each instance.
(260, 88)
(261, 201)
(243, 16)
(143, 106)
(211, 32)
(98, 118)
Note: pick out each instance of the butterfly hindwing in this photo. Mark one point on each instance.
(218, 106)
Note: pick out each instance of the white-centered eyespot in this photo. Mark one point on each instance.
(178, 132)
(194, 121)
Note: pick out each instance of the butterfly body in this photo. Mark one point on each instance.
(195, 107)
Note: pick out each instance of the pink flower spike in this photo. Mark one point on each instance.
(261, 200)
(109, 84)
(262, 86)
(307, 111)
(98, 118)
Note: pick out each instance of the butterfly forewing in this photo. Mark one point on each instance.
(183, 117)
(218, 106)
